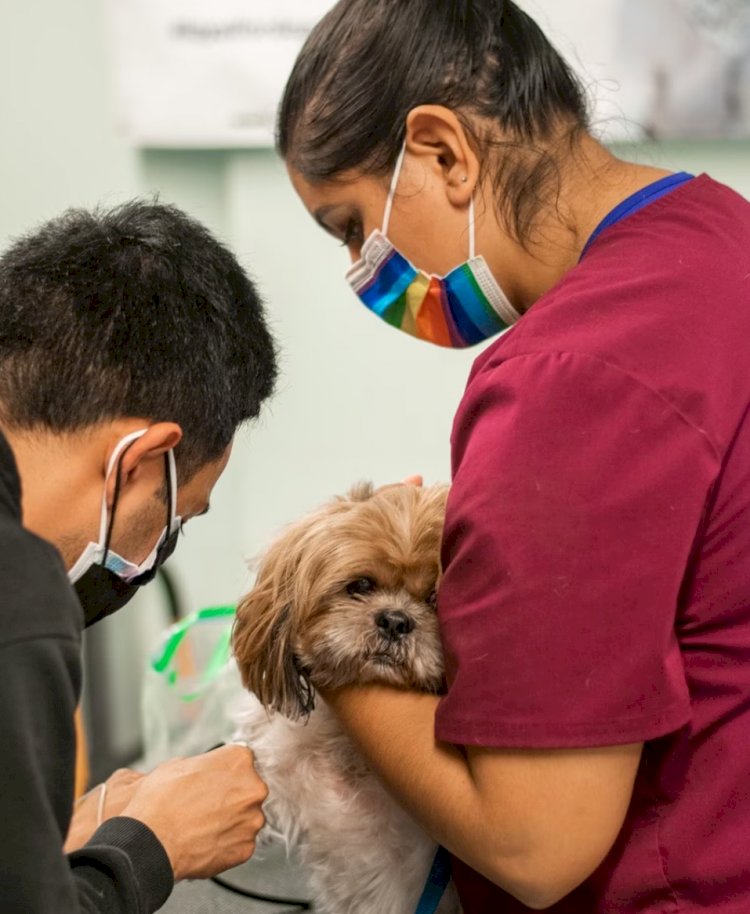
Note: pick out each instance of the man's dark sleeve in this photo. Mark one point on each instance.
(123, 869)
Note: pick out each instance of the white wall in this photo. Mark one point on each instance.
(59, 146)
(356, 399)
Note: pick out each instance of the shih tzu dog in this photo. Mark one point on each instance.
(346, 596)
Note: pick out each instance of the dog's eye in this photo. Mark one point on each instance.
(432, 599)
(361, 587)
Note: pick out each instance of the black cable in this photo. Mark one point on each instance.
(171, 594)
(268, 899)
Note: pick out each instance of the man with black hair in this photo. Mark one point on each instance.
(132, 346)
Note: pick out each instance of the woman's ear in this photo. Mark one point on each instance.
(435, 135)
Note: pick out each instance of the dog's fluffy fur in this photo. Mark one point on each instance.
(345, 596)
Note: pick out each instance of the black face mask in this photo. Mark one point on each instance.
(101, 591)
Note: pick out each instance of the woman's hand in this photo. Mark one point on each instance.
(409, 481)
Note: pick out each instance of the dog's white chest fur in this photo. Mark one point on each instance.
(364, 855)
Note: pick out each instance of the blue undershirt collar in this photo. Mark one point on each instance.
(637, 201)
(437, 882)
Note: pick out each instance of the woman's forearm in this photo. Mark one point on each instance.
(433, 780)
(535, 822)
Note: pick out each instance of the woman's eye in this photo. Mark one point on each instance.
(361, 587)
(352, 233)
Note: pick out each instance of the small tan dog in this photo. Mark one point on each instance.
(346, 596)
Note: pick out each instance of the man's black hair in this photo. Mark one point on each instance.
(134, 311)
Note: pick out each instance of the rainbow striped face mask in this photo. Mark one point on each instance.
(459, 310)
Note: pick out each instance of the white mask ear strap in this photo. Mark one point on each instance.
(472, 230)
(392, 191)
(120, 447)
(172, 489)
(392, 194)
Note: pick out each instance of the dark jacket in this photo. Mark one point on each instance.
(123, 869)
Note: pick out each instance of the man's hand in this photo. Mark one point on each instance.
(120, 788)
(206, 810)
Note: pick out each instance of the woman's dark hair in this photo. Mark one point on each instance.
(133, 312)
(369, 62)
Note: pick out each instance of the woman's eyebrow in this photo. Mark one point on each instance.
(322, 213)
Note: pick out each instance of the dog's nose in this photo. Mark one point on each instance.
(394, 624)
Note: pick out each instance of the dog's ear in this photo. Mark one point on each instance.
(264, 634)
(361, 491)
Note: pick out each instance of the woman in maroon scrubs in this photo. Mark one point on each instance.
(592, 753)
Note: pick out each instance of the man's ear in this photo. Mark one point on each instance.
(437, 136)
(139, 455)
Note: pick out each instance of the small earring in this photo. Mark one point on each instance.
(464, 179)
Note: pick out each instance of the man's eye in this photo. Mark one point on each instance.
(361, 587)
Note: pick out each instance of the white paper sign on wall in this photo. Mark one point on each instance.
(205, 73)
(210, 73)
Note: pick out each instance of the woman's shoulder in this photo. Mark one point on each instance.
(663, 297)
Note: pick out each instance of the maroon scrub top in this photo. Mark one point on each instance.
(597, 548)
